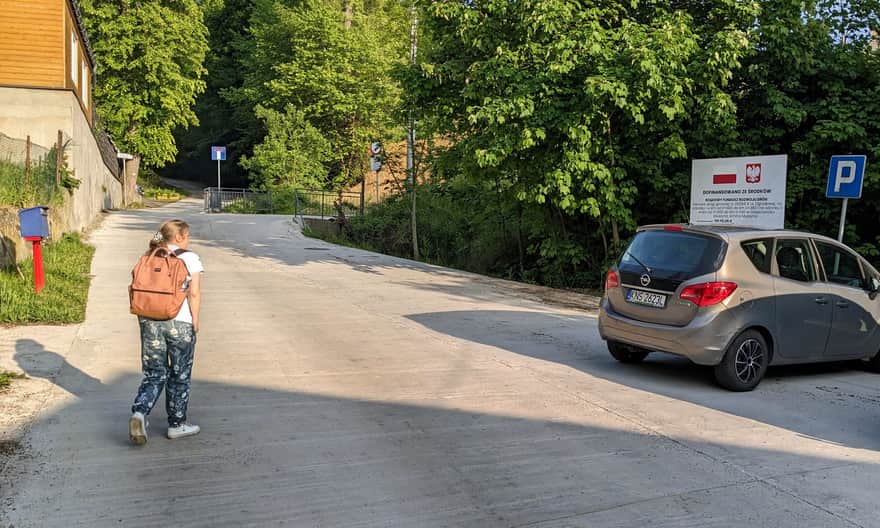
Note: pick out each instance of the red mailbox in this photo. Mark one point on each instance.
(34, 223)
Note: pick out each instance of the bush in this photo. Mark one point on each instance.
(475, 228)
(67, 265)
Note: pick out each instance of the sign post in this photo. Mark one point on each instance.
(376, 163)
(845, 177)
(747, 191)
(218, 154)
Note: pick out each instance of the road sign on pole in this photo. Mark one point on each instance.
(218, 154)
(845, 177)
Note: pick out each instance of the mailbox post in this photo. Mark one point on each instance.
(34, 223)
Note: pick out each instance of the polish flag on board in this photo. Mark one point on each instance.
(724, 176)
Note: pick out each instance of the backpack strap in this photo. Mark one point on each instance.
(179, 252)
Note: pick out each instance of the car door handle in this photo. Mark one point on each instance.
(842, 304)
(820, 300)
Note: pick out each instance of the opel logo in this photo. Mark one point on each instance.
(645, 280)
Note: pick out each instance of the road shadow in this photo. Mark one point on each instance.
(281, 242)
(296, 458)
(832, 402)
(848, 409)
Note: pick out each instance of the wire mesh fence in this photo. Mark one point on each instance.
(30, 174)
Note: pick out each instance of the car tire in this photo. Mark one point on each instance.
(745, 362)
(626, 353)
(873, 364)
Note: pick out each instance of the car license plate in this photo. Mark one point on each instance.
(646, 298)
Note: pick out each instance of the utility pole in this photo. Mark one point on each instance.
(411, 133)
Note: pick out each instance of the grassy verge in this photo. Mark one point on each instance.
(7, 377)
(157, 189)
(63, 300)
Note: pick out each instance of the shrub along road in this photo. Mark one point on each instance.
(336, 387)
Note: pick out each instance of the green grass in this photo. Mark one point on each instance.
(67, 264)
(7, 377)
(19, 191)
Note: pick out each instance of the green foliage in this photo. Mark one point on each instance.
(293, 154)
(576, 106)
(151, 55)
(562, 125)
(472, 226)
(809, 93)
(67, 266)
(337, 84)
(220, 122)
(7, 377)
(18, 191)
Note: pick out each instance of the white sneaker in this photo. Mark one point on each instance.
(137, 429)
(184, 429)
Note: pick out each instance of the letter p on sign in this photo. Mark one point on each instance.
(845, 176)
(850, 176)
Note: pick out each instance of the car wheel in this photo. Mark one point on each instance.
(626, 353)
(873, 364)
(744, 363)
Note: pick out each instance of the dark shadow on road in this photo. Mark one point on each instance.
(293, 458)
(282, 243)
(37, 362)
(832, 402)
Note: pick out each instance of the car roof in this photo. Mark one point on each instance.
(735, 232)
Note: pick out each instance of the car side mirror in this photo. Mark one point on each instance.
(874, 287)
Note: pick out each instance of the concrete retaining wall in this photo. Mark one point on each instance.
(41, 114)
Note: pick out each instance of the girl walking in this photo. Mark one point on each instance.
(167, 346)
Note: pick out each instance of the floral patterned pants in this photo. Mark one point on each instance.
(167, 357)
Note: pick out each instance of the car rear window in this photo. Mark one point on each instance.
(758, 252)
(686, 253)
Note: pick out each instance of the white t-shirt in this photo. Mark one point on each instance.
(193, 265)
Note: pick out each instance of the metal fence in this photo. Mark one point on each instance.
(307, 202)
(229, 200)
(326, 204)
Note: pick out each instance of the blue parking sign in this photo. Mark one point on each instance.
(845, 176)
(218, 153)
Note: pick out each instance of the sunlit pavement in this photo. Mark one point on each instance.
(336, 387)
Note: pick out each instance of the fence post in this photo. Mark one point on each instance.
(27, 164)
(322, 205)
(59, 154)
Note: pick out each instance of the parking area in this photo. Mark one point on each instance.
(336, 387)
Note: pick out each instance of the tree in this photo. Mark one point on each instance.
(574, 105)
(303, 55)
(150, 57)
(811, 89)
(293, 153)
(221, 122)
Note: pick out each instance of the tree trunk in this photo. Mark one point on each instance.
(349, 13)
(615, 232)
(129, 181)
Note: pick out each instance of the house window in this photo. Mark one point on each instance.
(85, 85)
(74, 55)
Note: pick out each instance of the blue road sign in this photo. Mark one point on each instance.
(845, 176)
(218, 153)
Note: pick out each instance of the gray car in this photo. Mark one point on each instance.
(740, 299)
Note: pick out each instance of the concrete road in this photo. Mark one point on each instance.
(337, 388)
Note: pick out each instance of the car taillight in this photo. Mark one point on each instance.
(612, 279)
(708, 293)
(673, 228)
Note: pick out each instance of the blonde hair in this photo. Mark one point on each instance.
(168, 232)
